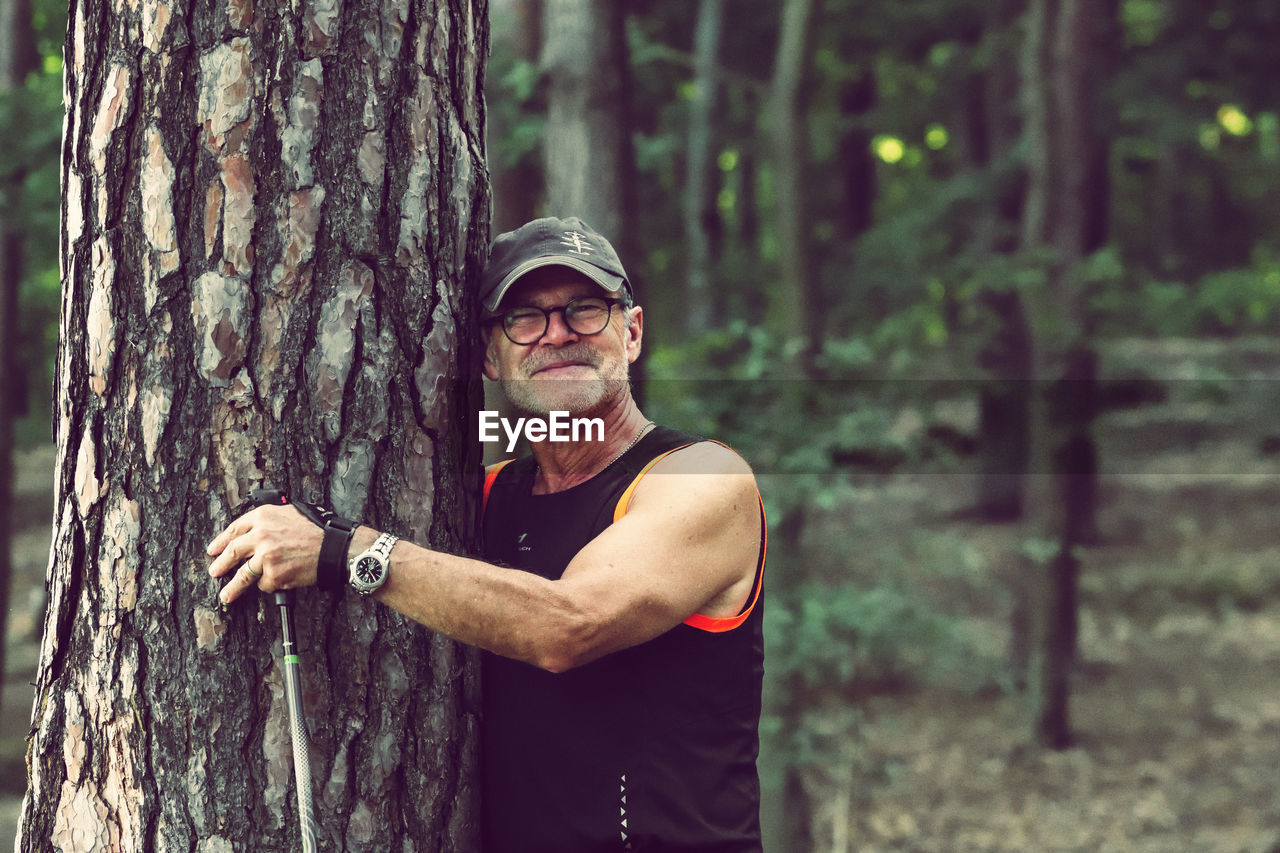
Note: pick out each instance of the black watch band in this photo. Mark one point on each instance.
(331, 568)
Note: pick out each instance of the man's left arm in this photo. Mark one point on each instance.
(689, 543)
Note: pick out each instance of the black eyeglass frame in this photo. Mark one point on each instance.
(564, 312)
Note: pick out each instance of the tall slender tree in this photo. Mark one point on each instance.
(517, 176)
(18, 58)
(1060, 84)
(269, 212)
(587, 149)
(794, 310)
(701, 219)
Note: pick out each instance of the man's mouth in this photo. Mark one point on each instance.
(558, 367)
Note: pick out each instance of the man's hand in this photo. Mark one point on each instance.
(274, 548)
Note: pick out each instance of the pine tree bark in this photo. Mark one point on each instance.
(269, 213)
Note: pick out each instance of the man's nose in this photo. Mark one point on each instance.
(558, 330)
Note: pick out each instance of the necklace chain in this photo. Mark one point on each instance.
(634, 441)
(642, 431)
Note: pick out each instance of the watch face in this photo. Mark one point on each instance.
(368, 570)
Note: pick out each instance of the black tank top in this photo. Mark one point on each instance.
(650, 748)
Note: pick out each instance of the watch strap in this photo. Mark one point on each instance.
(331, 568)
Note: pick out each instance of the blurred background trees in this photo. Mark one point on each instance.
(870, 237)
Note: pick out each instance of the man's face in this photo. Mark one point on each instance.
(564, 370)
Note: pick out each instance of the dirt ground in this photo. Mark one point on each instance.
(1176, 708)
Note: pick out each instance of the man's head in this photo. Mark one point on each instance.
(558, 307)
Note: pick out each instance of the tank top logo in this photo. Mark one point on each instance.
(623, 829)
(520, 542)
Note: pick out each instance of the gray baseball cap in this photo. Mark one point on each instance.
(552, 241)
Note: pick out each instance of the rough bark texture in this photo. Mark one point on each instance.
(269, 215)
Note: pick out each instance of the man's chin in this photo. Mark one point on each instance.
(578, 397)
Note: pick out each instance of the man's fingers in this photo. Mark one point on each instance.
(232, 555)
(236, 528)
(246, 578)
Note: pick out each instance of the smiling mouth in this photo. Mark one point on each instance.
(558, 366)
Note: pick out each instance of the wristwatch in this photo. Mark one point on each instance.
(369, 568)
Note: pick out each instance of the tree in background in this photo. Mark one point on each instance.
(587, 152)
(701, 220)
(796, 312)
(268, 220)
(514, 118)
(18, 59)
(1066, 50)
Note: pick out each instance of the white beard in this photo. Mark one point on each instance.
(578, 397)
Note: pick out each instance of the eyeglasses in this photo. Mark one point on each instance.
(528, 323)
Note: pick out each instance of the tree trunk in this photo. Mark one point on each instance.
(18, 59)
(1060, 85)
(1003, 400)
(588, 153)
(268, 217)
(701, 218)
(794, 308)
(587, 148)
(517, 185)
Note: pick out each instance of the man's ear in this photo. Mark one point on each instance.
(490, 366)
(634, 333)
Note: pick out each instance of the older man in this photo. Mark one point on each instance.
(618, 594)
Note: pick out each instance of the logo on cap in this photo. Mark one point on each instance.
(577, 243)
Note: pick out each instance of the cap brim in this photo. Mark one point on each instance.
(608, 281)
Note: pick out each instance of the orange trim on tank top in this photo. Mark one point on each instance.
(491, 474)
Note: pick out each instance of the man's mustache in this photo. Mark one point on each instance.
(573, 352)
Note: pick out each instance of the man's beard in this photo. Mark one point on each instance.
(578, 397)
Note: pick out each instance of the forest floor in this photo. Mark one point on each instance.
(1175, 710)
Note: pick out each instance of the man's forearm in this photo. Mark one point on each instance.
(512, 613)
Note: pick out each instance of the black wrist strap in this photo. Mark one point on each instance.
(331, 569)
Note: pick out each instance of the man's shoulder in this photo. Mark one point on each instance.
(698, 455)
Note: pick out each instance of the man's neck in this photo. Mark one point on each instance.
(564, 464)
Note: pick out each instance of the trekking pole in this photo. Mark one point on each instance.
(293, 698)
(297, 725)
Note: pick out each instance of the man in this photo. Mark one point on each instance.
(618, 597)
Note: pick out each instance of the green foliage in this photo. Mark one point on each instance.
(516, 106)
(30, 130)
(1231, 301)
(850, 638)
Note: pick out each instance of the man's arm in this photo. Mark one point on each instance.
(688, 544)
